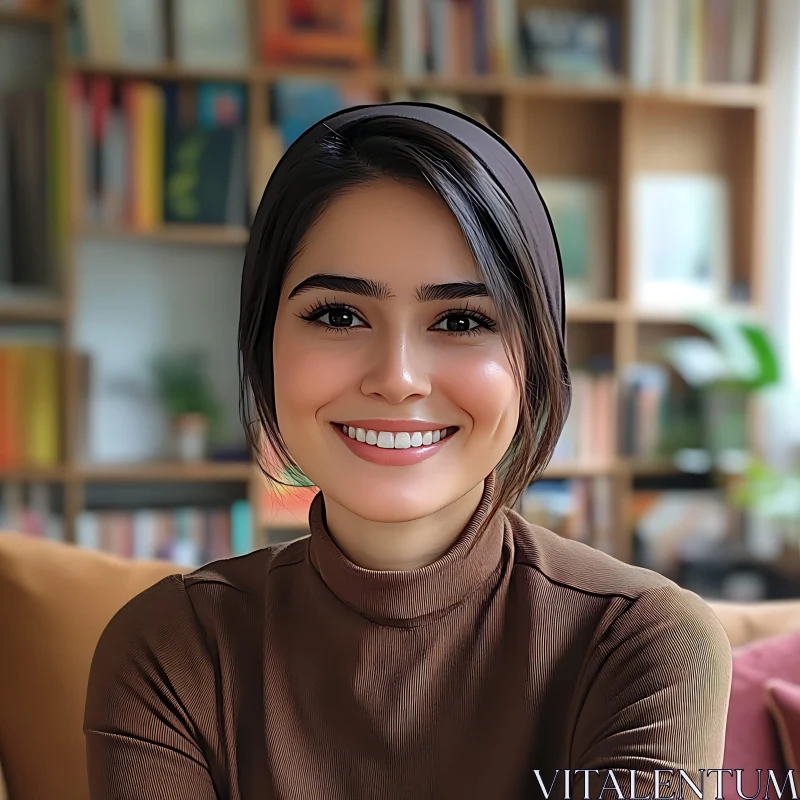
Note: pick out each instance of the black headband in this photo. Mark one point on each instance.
(501, 162)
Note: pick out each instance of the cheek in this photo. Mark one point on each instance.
(482, 382)
(307, 377)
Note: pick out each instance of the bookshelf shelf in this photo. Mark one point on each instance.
(23, 311)
(160, 72)
(173, 234)
(595, 311)
(378, 78)
(208, 471)
(589, 469)
(28, 17)
(719, 94)
(59, 473)
(639, 466)
(659, 316)
(522, 86)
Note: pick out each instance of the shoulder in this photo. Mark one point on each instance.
(251, 573)
(162, 638)
(576, 566)
(626, 598)
(175, 613)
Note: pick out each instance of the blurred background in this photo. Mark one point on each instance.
(136, 139)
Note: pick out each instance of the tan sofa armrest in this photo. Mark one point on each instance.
(746, 622)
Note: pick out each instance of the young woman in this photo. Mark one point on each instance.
(402, 343)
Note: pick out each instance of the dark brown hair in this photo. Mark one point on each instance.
(407, 150)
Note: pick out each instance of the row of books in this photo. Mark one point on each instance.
(219, 33)
(30, 417)
(672, 525)
(147, 154)
(189, 536)
(193, 33)
(646, 413)
(30, 509)
(452, 37)
(660, 414)
(462, 37)
(186, 535)
(576, 508)
(590, 435)
(570, 44)
(681, 41)
(32, 187)
(692, 41)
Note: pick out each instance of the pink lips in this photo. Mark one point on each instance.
(387, 456)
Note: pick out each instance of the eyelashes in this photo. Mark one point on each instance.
(343, 313)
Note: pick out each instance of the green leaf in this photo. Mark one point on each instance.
(765, 353)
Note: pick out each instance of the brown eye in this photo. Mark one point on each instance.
(333, 317)
(339, 318)
(458, 323)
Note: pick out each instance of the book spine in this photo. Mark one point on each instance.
(479, 30)
(101, 108)
(154, 138)
(697, 10)
(241, 528)
(41, 406)
(16, 399)
(6, 423)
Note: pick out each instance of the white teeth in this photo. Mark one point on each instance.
(401, 440)
(385, 439)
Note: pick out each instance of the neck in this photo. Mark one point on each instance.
(404, 545)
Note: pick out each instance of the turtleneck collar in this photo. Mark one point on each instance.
(405, 597)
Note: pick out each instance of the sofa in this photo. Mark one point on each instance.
(55, 600)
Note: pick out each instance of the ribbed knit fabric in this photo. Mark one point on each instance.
(292, 673)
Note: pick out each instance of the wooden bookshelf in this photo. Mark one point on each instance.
(11, 16)
(608, 131)
(173, 234)
(720, 94)
(201, 472)
(46, 311)
(162, 72)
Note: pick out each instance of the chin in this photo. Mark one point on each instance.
(394, 497)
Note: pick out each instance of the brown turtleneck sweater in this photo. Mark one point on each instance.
(292, 673)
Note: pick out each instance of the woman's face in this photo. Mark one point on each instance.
(384, 327)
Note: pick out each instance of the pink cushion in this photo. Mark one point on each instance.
(783, 701)
(751, 739)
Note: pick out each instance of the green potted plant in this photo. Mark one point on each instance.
(185, 393)
(735, 360)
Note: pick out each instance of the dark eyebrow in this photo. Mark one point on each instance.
(378, 290)
(451, 291)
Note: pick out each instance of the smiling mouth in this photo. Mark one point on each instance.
(399, 440)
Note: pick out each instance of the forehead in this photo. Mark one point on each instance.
(402, 234)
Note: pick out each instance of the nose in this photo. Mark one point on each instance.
(397, 369)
